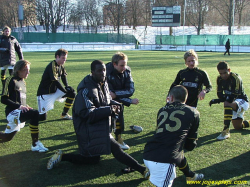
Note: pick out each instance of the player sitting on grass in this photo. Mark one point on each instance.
(230, 91)
(17, 111)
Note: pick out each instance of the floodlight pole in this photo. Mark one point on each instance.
(20, 18)
(184, 18)
(233, 23)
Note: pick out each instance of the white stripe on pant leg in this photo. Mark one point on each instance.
(168, 176)
(161, 174)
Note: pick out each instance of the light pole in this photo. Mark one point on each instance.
(20, 19)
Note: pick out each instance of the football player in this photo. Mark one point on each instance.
(51, 89)
(177, 126)
(17, 110)
(121, 87)
(230, 91)
(193, 79)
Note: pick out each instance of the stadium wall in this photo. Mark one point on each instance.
(33, 37)
(201, 40)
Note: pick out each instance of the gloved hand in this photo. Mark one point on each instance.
(69, 89)
(214, 101)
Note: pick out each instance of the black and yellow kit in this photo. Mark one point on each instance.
(230, 89)
(193, 80)
(51, 77)
(14, 94)
(177, 126)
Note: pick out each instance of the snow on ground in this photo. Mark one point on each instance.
(146, 37)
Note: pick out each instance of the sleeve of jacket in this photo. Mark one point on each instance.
(54, 77)
(64, 77)
(18, 49)
(220, 94)
(85, 108)
(129, 87)
(207, 82)
(192, 136)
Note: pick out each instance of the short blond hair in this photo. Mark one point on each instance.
(6, 27)
(189, 53)
(119, 56)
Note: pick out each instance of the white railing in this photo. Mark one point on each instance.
(114, 46)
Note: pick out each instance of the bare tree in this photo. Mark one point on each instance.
(114, 13)
(196, 12)
(8, 13)
(53, 13)
(30, 18)
(134, 11)
(76, 16)
(92, 14)
(240, 6)
(225, 9)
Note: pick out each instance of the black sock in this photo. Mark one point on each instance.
(245, 124)
(184, 167)
(228, 114)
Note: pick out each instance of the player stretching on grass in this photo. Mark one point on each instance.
(230, 91)
(17, 111)
(92, 113)
(51, 89)
(177, 126)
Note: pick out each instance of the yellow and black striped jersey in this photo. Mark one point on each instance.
(14, 94)
(177, 128)
(51, 77)
(231, 89)
(193, 80)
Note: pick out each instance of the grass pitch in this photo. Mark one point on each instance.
(153, 73)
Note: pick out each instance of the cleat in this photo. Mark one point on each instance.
(123, 146)
(146, 174)
(39, 147)
(197, 177)
(224, 135)
(136, 128)
(67, 117)
(55, 159)
(121, 143)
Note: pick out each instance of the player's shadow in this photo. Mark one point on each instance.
(65, 173)
(236, 167)
(3, 121)
(208, 139)
(51, 121)
(211, 138)
(243, 132)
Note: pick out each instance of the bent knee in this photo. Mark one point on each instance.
(42, 117)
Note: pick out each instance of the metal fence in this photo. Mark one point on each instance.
(119, 47)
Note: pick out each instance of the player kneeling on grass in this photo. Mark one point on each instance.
(177, 126)
(92, 112)
(230, 91)
(17, 111)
